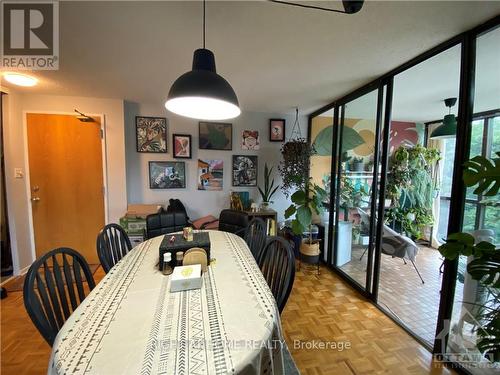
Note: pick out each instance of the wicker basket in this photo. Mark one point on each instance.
(309, 249)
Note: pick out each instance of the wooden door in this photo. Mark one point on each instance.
(66, 177)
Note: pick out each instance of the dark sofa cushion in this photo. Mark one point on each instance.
(165, 223)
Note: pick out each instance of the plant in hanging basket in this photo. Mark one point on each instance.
(294, 167)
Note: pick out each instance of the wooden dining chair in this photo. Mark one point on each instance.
(255, 236)
(112, 245)
(55, 285)
(277, 264)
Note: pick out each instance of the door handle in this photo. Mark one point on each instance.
(35, 199)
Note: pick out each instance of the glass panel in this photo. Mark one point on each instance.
(356, 179)
(418, 184)
(495, 138)
(472, 300)
(476, 148)
(447, 160)
(470, 217)
(322, 138)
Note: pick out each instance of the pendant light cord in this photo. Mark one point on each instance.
(204, 11)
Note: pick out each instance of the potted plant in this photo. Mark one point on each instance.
(412, 189)
(357, 164)
(306, 202)
(294, 167)
(269, 188)
(345, 161)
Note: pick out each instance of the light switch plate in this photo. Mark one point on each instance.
(18, 173)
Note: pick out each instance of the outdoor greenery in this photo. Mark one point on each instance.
(485, 266)
(269, 188)
(411, 188)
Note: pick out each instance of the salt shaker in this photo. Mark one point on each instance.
(167, 259)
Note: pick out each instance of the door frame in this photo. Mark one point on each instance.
(102, 118)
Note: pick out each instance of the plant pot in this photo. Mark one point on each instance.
(358, 166)
(309, 249)
(309, 252)
(264, 206)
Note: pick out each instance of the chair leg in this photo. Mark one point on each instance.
(364, 252)
(416, 269)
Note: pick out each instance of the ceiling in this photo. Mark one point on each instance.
(276, 57)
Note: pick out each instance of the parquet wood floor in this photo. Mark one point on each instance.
(320, 308)
(324, 309)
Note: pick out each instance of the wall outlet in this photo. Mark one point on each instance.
(18, 173)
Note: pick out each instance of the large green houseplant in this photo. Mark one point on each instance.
(411, 188)
(485, 266)
(305, 202)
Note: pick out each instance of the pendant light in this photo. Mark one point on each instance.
(202, 93)
(448, 129)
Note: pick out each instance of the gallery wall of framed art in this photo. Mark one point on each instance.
(244, 142)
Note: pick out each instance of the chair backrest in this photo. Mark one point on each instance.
(165, 222)
(112, 245)
(277, 264)
(54, 287)
(233, 221)
(255, 236)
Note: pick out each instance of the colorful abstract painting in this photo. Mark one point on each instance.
(167, 175)
(215, 136)
(250, 140)
(182, 146)
(151, 134)
(210, 174)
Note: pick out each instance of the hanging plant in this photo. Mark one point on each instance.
(294, 167)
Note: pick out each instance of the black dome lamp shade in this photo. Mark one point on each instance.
(448, 129)
(202, 93)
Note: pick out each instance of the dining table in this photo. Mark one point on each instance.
(131, 323)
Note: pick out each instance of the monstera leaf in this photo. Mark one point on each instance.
(323, 142)
(484, 172)
(488, 339)
(486, 269)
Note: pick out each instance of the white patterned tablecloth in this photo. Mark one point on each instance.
(131, 324)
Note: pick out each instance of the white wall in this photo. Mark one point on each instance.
(15, 157)
(201, 203)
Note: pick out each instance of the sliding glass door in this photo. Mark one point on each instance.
(476, 307)
(396, 149)
(356, 180)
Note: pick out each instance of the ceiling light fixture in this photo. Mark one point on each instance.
(202, 93)
(448, 129)
(20, 79)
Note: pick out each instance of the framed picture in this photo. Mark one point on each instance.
(215, 136)
(181, 146)
(210, 174)
(250, 140)
(244, 170)
(167, 175)
(277, 130)
(151, 134)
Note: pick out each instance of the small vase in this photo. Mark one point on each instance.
(264, 206)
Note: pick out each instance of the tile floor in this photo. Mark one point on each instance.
(401, 292)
